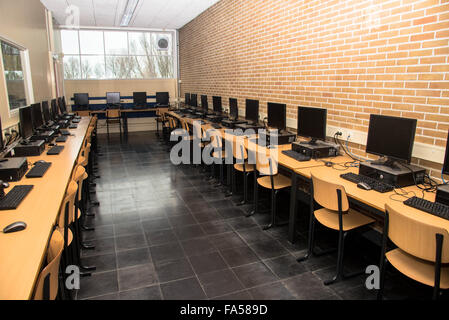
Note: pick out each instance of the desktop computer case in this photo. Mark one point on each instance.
(13, 169)
(34, 148)
(443, 195)
(318, 151)
(399, 178)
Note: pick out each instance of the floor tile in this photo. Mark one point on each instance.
(187, 289)
(137, 277)
(219, 283)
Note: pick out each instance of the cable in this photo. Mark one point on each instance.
(442, 178)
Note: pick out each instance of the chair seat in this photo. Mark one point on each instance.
(69, 235)
(417, 269)
(248, 167)
(351, 220)
(280, 182)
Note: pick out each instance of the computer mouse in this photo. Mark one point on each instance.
(364, 186)
(5, 185)
(329, 164)
(52, 144)
(15, 227)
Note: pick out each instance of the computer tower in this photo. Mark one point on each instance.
(47, 136)
(13, 169)
(400, 177)
(276, 138)
(33, 148)
(443, 194)
(316, 151)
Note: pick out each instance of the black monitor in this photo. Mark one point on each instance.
(277, 116)
(37, 116)
(26, 122)
(187, 99)
(194, 100)
(204, 103)
(113, 98)
(2, 143)
(312, 123)
(54, 109)
(218, 107)
(81, 99)
(233, 108)
(446, 158)
(391, 137)
(140, 99)
(163, 98)
(61, 106)
(252, 110)
(64, 104)
(46, 112)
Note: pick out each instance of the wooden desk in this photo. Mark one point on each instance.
(22, 253)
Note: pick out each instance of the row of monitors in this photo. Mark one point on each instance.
(114, 98)
(387, 136)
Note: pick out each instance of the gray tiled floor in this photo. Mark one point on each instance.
(163, 232)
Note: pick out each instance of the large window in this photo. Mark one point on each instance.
(93, 54)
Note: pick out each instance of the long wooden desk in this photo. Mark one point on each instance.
(22, 253)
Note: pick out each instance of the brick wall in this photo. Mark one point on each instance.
(353, 57)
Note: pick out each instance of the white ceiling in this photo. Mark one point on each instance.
(157, 14)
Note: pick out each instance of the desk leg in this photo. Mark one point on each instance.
(293, 208)
(125, 123)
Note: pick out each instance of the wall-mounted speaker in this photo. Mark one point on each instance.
(163, 43)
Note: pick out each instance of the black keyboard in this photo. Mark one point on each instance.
(373, 183)
(76, 121)
(38, 170)
(216, 126)
(55, 150)
(296, 155)
(14, 197)
(65, 132)
(435, 208)
(73, 126)
(61, 139)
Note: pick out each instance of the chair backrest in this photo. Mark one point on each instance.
(238, 148)
(216, 139)
(416, 237)
(78, 177)
(325, 194)
(70, 200)
(266, 162)
(48, 289)
(113, 113)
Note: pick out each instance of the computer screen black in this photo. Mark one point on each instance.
(64, 104)
(187, 99)
(163, 98)
(194, 100)
(252, 110)
(46, 111)
(140, 98)
(446, 158)
(391, 137)
(204, 102)
(113, 97)
(60, 105)
(277, 114)
(37, 116)
(81, 99)
(26, 122)
(2, 143)
(54, 109)
(216, 101)
(312, 123)
(233, 108)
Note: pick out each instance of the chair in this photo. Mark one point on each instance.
(47, 285)
(160, 119)
(335, 214)
(422, 252)
(242, 165)
(113, 116)
(267, 166)
(218, 154)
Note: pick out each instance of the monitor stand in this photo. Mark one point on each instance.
(387, 162)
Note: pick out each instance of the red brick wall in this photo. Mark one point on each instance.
(353, 57)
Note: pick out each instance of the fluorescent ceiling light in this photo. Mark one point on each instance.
(129, 12)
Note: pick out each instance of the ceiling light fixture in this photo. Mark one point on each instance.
(130, 9)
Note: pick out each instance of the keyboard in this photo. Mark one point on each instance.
(215, 126)
(65, 132)
(296, 155)
(55, 150)
(76, 121)
(435, 208)
(73, 126)
(373, 183)
(38, 170)
(61, 139)
(14, 197)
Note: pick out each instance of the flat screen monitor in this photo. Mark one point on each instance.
(233, 108)
(204, 102)
(218, 107)
(163, 98)
(61, 105)
(26, 122)
(54, 109)
(446, 158)
(37, 116)
(194, 100)
(312, 123)
(113, 97)
(277, 116)
(140, 98)
(252, 110)
(2, 143)
(46, 111)
(391, 137)
(187, 99)
(81, 99)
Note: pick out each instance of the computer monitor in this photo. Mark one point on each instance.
(218, 107)
(37, 116)
(446, 158)
(64, 104)
(233, 108)
(26, 122)
(140, 99)
(391, 137)
(194, 100)
(252, 110)
(61, 106)
(46, 112)
(277, 114)
(187, 99)
(312, 123)
(163, 98)
(113, 98)
(81, 99)
(54, 109)
(204, 103)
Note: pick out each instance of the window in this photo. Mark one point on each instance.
(92, 54)
(14, 75)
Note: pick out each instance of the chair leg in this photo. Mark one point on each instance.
(341, 247)
(273, 211)
(383, 269)
(311, 239)
(256, 197)
(245, 189)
